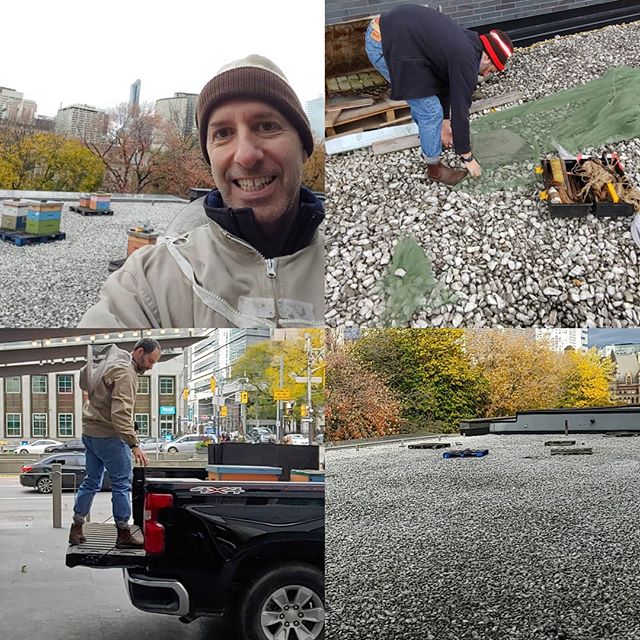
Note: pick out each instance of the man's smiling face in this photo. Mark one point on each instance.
(256, 158)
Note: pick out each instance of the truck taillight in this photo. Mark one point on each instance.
(153, 530)
(26, 468)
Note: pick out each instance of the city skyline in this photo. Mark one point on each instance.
(102, 75)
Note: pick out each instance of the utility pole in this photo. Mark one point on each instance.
(309, 350)
(279, 416)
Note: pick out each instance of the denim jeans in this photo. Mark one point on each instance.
(114, 455)
(427, 112)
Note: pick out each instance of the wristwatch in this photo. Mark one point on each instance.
(469, 159)
(137, 444)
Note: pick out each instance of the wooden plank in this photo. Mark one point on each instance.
(338, 103)
(378, 107)
(498, 101)
(366, 138)
(330, 118)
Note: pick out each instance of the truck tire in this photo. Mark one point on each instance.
(282, 599)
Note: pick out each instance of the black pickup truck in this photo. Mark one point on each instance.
(250, 551)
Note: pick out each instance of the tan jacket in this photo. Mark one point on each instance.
(209, 278)
(109, 410)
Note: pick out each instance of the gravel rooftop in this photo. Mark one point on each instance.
(505, 259)
(515, 545)
(54, 283)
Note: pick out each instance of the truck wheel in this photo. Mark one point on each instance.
(286, 602)
(44, 484)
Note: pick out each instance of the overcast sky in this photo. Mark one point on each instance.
(72, 51)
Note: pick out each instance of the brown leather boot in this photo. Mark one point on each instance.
(445, 175)
(128, 539)
(75, 535)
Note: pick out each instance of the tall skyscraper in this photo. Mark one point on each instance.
(134, 95)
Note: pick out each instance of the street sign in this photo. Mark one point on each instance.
(223, 412)
(304, 379)
(281, 394)
(244, 397)
(167, 411)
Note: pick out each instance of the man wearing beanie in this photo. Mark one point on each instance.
(434, 64)
(249, 253)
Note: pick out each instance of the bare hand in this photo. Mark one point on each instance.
(474, 169)
(140, 456)
(446, 135)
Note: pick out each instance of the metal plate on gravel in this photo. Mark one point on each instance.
(429, 445)
(576, 451)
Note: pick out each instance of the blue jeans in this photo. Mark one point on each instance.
(114, 455)
(427, 112)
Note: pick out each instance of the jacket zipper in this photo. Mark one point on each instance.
(270, 262)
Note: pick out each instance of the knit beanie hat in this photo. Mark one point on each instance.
(257, 78)
(498, 46)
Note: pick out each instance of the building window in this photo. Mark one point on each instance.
(12, 384)
(65, 424)
(143, 385)
(166, 386)
(142, 420)
(38, 384)
(14, 425)
(167, 425)
(65, 384)
(39, 425)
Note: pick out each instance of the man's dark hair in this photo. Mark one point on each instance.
(148, 345)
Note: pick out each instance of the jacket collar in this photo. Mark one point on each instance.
(242, 224)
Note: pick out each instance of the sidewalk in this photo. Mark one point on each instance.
(41, 597)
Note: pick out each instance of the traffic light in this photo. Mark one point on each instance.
(244, 397)
(304, 410)
(185, 394)
(288, 408)
(223, 412)
(212, 384)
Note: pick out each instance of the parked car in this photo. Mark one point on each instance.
(186, 443)
(298, 438)
(38, 474)
(69, 445)
(262, 435)
(37, 446)
(151, 444)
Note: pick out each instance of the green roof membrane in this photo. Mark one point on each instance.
(602, 111)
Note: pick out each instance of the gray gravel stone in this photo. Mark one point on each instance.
(514, 546)
(53, 284)
(502, 245)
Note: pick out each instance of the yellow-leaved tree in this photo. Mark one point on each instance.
(47, 162)
(587, 380)
(523, 373)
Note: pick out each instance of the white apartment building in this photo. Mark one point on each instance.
(82, 121)
(14, 108)
(315, 112)
(179, 110)
(562, 339)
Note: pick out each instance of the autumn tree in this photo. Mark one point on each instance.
(360, 404)
(260, 364)
(46, 162)
(429, 371)
(313, 169)
(131, 150)
(587, 380)
(522, 373)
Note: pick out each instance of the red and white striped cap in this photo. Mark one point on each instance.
(498, 47)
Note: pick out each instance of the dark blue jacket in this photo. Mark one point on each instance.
(430, 55)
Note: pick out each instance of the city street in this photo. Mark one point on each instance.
(41, 597)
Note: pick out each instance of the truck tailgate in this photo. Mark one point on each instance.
(100, 549)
